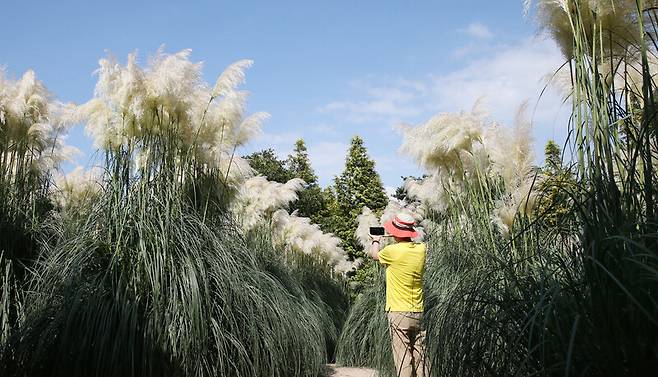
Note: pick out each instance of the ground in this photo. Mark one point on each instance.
(335, 371)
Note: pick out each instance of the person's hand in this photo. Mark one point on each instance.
(376, 238)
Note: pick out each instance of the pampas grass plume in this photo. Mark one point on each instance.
(232, 76)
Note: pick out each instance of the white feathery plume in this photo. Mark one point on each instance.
(235, 169)
(77, 188)
(259, 198)
(222, 119)
(298, 233)
(250, 127)
(365, 220)
(103, 125)
(440, 146)
(503, 216)
(435, 191)
(30, 97)
(63, 115)
(616, 21)
(169, 98)
(442, 142)
(511, 151)
(55, 152)
(460, 148)
(33, 124)
(122, 88)
(232, 76)
(230, 109)
(522, 201)
(628, 75)
(171, 80)
(512, 157)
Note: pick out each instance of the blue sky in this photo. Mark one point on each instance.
(324, 70)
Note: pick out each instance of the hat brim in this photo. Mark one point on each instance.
(397, 232)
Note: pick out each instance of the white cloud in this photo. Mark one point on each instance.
(327, 159)
(395, 100)
(504, 76)
(505, 79)
(324, 129)
(282, 143)
(478, 30)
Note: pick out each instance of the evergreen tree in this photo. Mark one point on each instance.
(358, 186)
(557, 188)
(310, 202)
(329, 216)
(553, 161)
(299, 164)
(268, 165)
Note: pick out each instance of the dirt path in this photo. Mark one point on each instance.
(334, 371)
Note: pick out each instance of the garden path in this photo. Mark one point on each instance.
(335, 371)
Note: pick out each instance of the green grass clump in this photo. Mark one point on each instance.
(152, 290)
(365, 339)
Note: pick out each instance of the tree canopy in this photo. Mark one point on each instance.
(358, 186)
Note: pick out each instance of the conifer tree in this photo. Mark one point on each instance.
(358, 186)
(557, 187)
(311, 201)
(299, 164)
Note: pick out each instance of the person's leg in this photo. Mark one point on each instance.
(402, 353)
(420, 363)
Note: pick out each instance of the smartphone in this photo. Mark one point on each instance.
(377, 230)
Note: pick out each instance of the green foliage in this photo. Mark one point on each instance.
(365, 277)
(358, 186)
(299, 164)
(558, 188)
(28, 150)
(152, 289)
(267, 164)
(328, 218)
(311, 202)
(156, 279)
(365, 340)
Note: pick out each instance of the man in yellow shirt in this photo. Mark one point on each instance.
(405, 265)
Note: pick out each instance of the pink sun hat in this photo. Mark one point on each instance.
(401, 226)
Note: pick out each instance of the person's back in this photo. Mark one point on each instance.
(405, 262)
(405, 266)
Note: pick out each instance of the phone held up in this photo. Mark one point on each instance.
(377, 230)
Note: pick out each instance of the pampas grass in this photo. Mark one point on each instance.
(33, 129)
(153, 275)
(506, 292)
(613, 21)
(79, 188)
(258, 199)
(299, 234)
(463, 152)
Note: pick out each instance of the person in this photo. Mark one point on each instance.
(405, 264)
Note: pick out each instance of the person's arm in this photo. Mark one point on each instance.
(374, 247)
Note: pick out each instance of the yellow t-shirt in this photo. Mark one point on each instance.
(405, 264)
